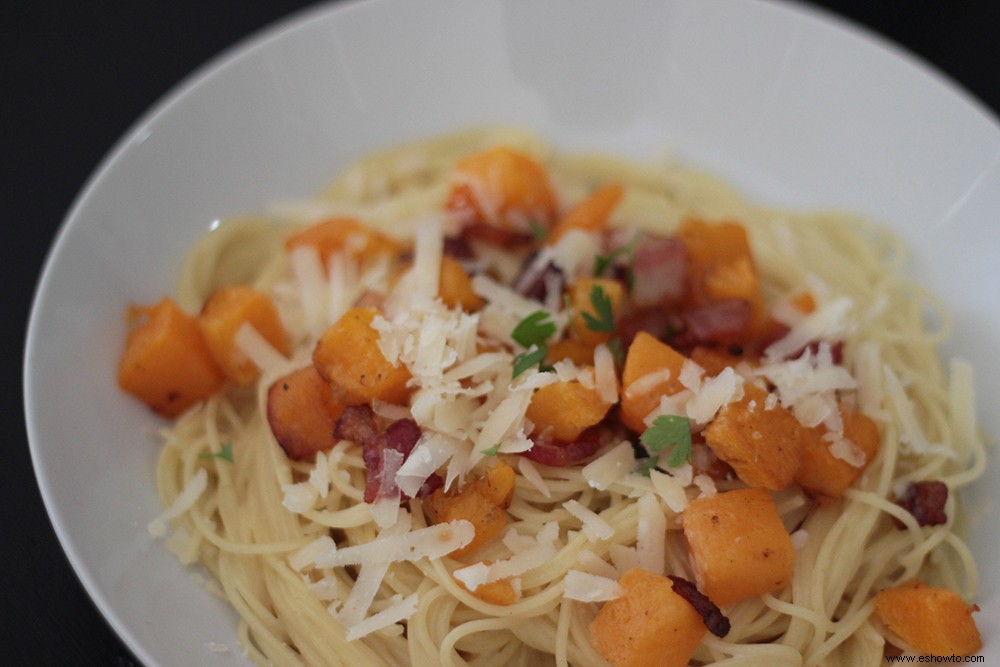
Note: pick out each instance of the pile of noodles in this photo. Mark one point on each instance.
(250, 521)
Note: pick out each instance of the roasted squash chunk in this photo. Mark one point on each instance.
(739, 548)
(482, 502)
(721, 266)
(455, 287)
(166, 362)
(501, 592)
(590, 214)
(345, 235)
(348, 357)
(932, 620)
(228, 309)
(563, 410)
(763, 444)
(596, 304)
(652, 369)
(302, 413)
(649, 626)
(825, 475)
(503, 188)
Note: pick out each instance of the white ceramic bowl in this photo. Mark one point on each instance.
(795, 107)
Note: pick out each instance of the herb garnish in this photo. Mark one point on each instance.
(492, 451)
(646, 467)
(604, 322)
(533, 357)
(532, 332)
(535, 329)
(671, 432)
(603, 262)
(225, 453)
(538, 232)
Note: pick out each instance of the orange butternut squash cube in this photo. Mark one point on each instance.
(563, 410)
(221, 318)
(715, 360)
(166, 362)
(649, 626)
(590, 325)
(720, 266)
(302, 413)
(348, 357)
(346, 235)
(648, 356)
(826, 476)
(503, 188)
(500, 592)
(579, 353)
(763, 445)
(482, 502)
(932, 620)
(455, 287)
(738, 546)
(590, 214)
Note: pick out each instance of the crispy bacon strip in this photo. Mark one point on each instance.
(459, 248)
(659, 268)
(358, 424)
(559, 454)
(720, 322)
(925, 501)
(715, 621)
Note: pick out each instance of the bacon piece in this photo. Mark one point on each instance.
(534, 282)
(715, 621)
(493, 235)
(657, 322)
(358, 424)
(659, 270)
(402, 435)
(721, 322)
(560, 454)
(459, 248)
(925, 501)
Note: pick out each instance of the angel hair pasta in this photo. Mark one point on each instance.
(482, 402)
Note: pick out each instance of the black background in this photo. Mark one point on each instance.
(76, 76)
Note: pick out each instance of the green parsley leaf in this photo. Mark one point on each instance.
(492, 451)
(646, 466)
(225, 453)
(605, 319)
(603, 262)
(532, 357)
(538, 232)
(671, 432)
(534, 329)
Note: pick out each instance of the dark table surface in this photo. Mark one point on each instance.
(75, 77)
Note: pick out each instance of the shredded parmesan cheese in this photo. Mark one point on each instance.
(184, 501)
(827, 322)
(605, 375)
(587, 587)
(594, 527)
(912, 437)
(263, 355)
(610, 467)
(432, 542)
(651, 536)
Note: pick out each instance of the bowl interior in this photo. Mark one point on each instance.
(795, 107)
